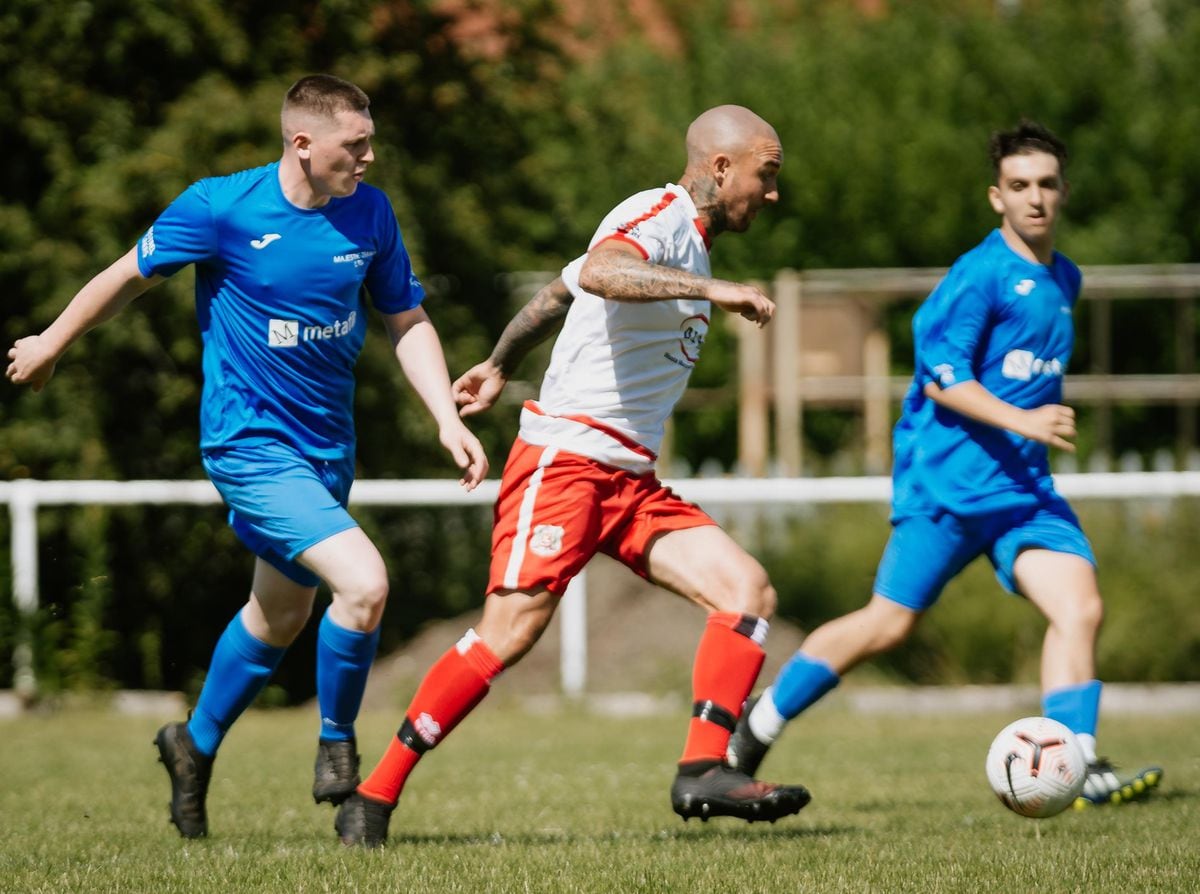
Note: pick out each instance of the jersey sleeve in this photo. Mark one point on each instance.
(953, 327)
(651, 232)
(185, 233)
(391, 282)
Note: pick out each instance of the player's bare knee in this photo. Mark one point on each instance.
(1082, 615)
(286, 621)
(751, 595)
(887, 624)
(513, 622)
(363, 604)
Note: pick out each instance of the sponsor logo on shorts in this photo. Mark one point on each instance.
(546, 540)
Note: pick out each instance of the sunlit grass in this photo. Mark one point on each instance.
(517, 801)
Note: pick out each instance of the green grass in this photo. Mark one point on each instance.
(524, 802)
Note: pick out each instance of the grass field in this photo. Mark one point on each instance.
(567, 802)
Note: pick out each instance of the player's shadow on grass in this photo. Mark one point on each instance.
(692, 831)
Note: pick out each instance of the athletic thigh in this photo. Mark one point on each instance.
(704, 564)
(1051, 526)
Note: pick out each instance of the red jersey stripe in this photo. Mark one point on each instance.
(623, 440)
(663, 203)
(621, 237)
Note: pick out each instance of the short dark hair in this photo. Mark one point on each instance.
(325, 95)
(1026, 137)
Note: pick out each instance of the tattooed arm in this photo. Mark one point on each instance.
(479, 387)
(616, 271)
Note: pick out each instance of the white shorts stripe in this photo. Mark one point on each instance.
(525, 519)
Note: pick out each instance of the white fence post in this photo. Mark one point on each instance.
(22, 511)
(572, 615)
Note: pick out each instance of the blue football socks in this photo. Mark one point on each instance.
(343, 660)
(1078, 709)
(241, 665)
(801, 682)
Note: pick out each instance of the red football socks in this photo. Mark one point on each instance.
(728, 660)
(455, 684)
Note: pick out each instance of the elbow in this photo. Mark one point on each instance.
(589, 281)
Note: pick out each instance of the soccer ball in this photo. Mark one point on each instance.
(1036, 767)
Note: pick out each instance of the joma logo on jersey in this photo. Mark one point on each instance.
(289, 333)
(1022, 365)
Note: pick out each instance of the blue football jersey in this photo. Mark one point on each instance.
(1005, 322)
(281, 300)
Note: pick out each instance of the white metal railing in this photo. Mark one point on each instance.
(26, 495)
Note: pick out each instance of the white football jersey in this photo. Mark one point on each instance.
(618, 369)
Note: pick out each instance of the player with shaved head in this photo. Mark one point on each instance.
(634, 310)
(283, 254)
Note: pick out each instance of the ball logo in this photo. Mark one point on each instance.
(693, 331)
(546, 540)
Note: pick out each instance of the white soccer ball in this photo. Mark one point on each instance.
(1036, 767)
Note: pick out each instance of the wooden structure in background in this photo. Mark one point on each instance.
(827, 347)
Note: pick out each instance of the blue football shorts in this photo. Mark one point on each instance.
(925, 552)
(281, 502)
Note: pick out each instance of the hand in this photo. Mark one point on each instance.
(1051, 424)
(478, 388)
(467, 452)
(748, 301)
(32, 362)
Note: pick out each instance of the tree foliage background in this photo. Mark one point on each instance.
(505, 131)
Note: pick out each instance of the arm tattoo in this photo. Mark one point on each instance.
(619, 276)
(533, 324)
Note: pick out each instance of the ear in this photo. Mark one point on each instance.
(720, 167)
(302, 141)
(995, 200)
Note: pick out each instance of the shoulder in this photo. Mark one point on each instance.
(240, 181)
(972, 271)
(371, 196)
(226, 192)
(1069, 271)
(369, 205)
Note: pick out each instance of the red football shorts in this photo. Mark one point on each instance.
(557, 509)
